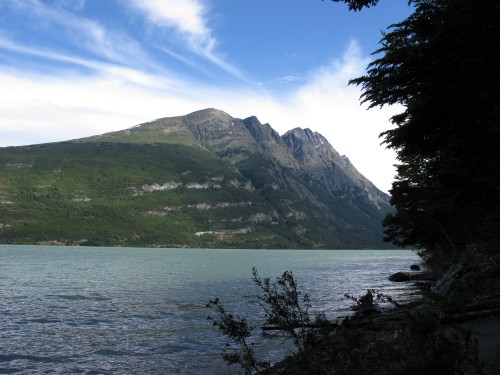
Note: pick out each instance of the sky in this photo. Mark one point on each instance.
(75, 68)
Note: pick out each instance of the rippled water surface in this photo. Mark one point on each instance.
(136, 311)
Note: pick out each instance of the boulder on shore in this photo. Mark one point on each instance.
(399, 277)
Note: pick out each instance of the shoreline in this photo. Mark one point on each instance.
(456, 320)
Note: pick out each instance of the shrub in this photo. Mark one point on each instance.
(405, 341)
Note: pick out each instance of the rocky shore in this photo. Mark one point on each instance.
(453, 329)
(466, 299)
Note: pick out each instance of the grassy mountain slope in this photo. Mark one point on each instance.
(201, 180)
(105, 194)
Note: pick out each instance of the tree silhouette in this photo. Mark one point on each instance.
(440, 64)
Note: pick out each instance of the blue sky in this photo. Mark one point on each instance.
(73, 68)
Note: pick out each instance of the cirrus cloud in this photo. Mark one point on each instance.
(188, 18)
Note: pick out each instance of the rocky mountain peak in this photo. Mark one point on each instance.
(310, 147)
(301, 134)
(259, 130)
(335, 172)
(298, 149)
(208, 116)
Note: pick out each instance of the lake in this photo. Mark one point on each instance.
(134, 311)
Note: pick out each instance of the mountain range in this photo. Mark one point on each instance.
(201, 180)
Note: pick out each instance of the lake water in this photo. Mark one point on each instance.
(136, 311)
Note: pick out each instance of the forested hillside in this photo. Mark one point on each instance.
(201, 180)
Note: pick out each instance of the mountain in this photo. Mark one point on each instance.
(201, 180)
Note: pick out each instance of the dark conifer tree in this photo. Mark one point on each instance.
(441, 64)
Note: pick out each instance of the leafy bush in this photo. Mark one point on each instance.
(404, 341)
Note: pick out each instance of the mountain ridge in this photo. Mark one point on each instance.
(221, 181)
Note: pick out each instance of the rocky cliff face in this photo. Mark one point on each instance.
(333, 172)
(299, 150)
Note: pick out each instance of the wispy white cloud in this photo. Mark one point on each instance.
(47, 17)
(90, 37)
(72, 4)
(185, 16)
(286, 80)
(185, 19)
(11, 45)
(109, 71)
(189, 20)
